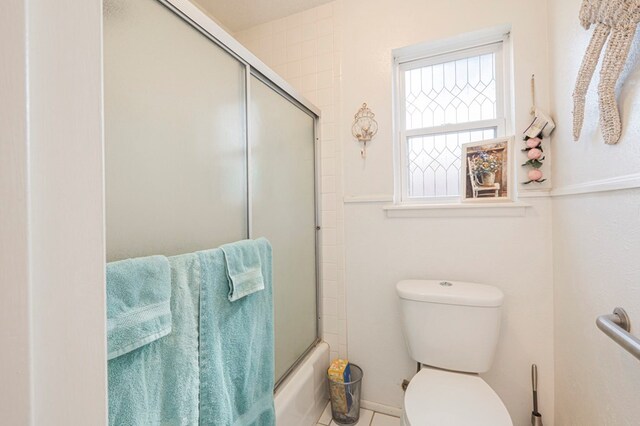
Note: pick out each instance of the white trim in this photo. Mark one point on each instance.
(504, 209)
(381, 408)
(469, 126)
(61, 114)
(426, 59)
(459, 42)
(16, 369)
(534, 193)
(601, 185)
(200, 20)
(373, 198)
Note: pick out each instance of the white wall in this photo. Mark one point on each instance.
(511, 253)
(589, 159)
(373, 29)
(596, 238)
(52, 137)
(380, 251)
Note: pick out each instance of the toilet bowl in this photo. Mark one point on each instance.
(446, 398)
(451, 328)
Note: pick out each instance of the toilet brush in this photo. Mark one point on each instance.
(536, 417)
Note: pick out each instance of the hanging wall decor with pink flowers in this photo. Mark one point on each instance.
(541, 127)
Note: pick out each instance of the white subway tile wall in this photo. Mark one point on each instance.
(304, 49)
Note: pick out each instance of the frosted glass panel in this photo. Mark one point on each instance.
(451, 92)
(283, 210)
(434, 161)
(175, 135)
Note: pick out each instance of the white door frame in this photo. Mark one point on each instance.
(52, 305)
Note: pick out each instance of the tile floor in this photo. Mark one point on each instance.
(367, 418)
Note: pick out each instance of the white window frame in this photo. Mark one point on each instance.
(474, 44)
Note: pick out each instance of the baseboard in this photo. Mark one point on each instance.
(381, 408)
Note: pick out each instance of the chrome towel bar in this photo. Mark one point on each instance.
(617, 326)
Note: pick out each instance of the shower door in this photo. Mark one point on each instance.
(175, 135)
(199, 152)
(282, 188)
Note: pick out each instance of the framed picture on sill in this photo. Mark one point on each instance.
(487, 168)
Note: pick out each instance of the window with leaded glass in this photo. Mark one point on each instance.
(444, 99)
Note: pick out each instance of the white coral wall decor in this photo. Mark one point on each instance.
(615, 20)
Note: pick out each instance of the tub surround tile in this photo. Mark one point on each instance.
(329, 218)
(330, 291)
(331, 326)
(330, 308)
(342, 350)
(324, 11)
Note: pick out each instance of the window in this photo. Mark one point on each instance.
(446, 96)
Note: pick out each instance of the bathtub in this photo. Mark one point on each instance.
(302, 397)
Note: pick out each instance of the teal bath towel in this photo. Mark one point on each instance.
(138, 311)
(158, 383)
(236, 346)
(242, 261)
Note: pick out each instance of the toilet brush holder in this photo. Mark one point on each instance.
(536, 419)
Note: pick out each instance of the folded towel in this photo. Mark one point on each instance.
(158, 383)
(236, 346)
(138, 292)
(242, 261)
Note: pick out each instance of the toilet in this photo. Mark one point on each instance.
(451, 329)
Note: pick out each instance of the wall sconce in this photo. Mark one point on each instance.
(364, 127)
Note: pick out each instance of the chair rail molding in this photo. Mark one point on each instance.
(616, 183)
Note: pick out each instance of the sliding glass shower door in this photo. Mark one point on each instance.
(175, 132)
(282, 188)
(199, 153)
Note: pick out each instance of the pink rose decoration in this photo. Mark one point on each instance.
(534, 154)
(534, 174)
(533, 142)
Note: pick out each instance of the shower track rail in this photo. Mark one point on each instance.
(617, 326)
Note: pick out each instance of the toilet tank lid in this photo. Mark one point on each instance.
(450, 292)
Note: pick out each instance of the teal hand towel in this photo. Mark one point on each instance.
(236, 346)
(158, 384)
(138, 312)
(242, 260)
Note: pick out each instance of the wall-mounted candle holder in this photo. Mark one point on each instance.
(364, 127)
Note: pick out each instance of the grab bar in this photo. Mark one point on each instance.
(617, 326)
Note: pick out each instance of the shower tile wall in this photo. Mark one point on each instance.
(304, 49)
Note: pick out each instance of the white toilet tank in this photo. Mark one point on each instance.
(450, 324)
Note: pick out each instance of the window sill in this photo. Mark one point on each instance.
(505, 209)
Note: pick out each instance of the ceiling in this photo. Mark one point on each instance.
(237, 15)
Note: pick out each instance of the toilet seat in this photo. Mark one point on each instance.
(446, 398)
